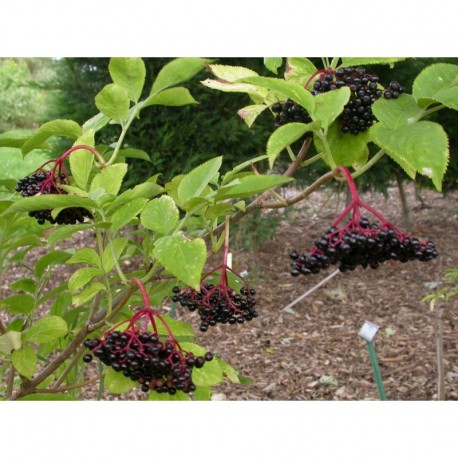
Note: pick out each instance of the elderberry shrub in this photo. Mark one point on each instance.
(218, 304)
(362, 244)
(289, 111)
(44, 183)
(357, 115)
(161, 366)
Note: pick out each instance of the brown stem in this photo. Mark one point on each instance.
(2, 327)
(9, 382)
(70, 387)
(69, 368)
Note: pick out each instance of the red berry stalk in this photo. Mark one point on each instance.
(360, 242)
(158, 364)
(219, 303)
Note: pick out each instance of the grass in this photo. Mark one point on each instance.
(14, 166)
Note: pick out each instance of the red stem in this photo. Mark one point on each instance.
(318, 72)
(351, 184)
(87, 148)
(143, 291)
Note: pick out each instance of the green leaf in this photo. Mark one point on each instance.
(134, 153)
(88, 293)
(24, 284)
(257, 93)
(345, 148)
(250, 113)
(422, 145)
(178, 396)
(86, 256)
(65, 232)
(113, 102)
(329, 105)
(96, 123)
(288, 89)
(252, 185)
(231, 73)
(81, 160)
(210, 374)
(273, 63)
(396, 113)
(81, 277)
(59, 127)
(228, 371)
(119, 243)
(19, 303)
(46, 329)
(160, 215)
(109, 179)
(437, 83)
(173, 97)
(285, 136)
(177, 71)
(53, 257)
(178, 328)
(128, 73)
(202, 393)
(117, 383)
(299, 70)
(230, 175)
(194, 183)
(10, 341)
(48, 397)
(49, 201)
(61, 304)
(126, 213)
(15, 138)
(147, 190)
(183, 258)
(356, 61)
(25, 361)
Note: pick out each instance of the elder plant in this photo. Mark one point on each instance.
(103, 326)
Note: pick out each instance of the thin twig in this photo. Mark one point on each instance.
(310, 291)
(69, 368)
(69, 387)
(2, 327)
(9, 382)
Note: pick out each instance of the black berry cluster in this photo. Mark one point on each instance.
(161, 366)
(289, 111)
(218, 304)
(42, 182)
(362, 244)
(357, 115)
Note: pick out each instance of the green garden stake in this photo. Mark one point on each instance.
(368, 332)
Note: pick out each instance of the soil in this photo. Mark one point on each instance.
(314, 352)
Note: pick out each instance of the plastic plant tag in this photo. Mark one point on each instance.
(368, 331)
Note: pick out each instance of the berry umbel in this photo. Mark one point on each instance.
(157, 363)
(360, 242)
(219, 303)
(43, 182)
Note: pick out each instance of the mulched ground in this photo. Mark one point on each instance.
(315, 353)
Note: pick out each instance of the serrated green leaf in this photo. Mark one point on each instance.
(147, 190)
(437, 83)
(81, 277)
(175, 252)
(119, 243)
(24, 284)
(230, 175)
(202, 393)
(46, 329)
(109, 179)
(58, 127)
(355, 61)
(53, 257)
(273, 63)
(134, 153)
(88, 293)
(65, 232)
(113, 102)
(288, 89)
(219, 210)
(345, 148)
(128, 73)
(173, 97)
(228, 371)
(86, 256)
(25, 361)
(299, 70)
(396, 113)
(10, 341)
(178, 396)
(96, 123)
(160, 215)
(15, 138)
(117, 383)
(126, 213)
(231, 73)
(19, 303)
(329, 105)
(178, 71)
(81, 160)
(285, 136)
(422, 145)
(250, 113)
(210, 374)
(251, 186)
(49, 201)
(257, 93)
(61, 304)
(178, 328)
(194, 183)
